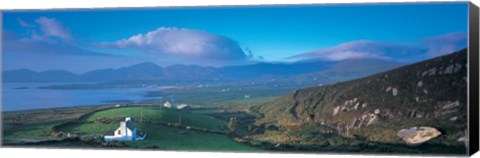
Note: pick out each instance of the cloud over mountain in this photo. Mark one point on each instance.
(444, 44)
(359, 49)
(184, 43)
(427, 48)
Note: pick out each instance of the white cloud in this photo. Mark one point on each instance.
(343, 55)
(46, 36)
(444, 44)
(427, 48)
(23, 23)
(45, 30)
(53, 28)
(181, 42)
(353, 50)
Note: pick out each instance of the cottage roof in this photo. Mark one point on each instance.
(130, 125)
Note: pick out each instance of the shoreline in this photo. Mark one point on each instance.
(73, 96)
(58, 108)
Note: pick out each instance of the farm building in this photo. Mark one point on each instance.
(167, 104)
(126, 132)
(183, 106)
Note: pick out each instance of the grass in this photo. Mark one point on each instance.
(160, 114)
(204, 97)
(255, 113)
(168, 138)
(162, 136)
(51, 114)
(257, 100)
(30, 132)
(205, 111)
(35, 125)
(239, 104)
(90, 128)
(308, 139)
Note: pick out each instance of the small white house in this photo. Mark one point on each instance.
(182, 106)
(126, 132)
(167, 104)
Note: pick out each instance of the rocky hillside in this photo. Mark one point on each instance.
(430, 93)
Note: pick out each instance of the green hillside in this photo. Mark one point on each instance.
(375, 108)
(159, 114)
(154, 121)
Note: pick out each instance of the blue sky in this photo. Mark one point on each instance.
(82, 40)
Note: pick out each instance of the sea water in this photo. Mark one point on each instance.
(25, 96)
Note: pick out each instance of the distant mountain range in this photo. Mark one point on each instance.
(151, 71)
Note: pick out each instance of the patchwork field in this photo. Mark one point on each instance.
(165, 115)
(31, 132)
(163, 137)
(165, 128)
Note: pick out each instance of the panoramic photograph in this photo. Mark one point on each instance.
(340, 78)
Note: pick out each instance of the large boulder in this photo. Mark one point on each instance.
(418, 135)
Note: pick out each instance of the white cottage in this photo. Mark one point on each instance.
(126, 132)
(183, 106)
(167, 104)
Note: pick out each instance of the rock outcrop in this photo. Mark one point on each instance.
(418, 135)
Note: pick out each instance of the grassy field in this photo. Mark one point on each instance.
(159, 135)
(168, 138)
(160, 114)
(210, 96)
(212, 109)
(31, 132)
(51, 114)
(35, 125)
